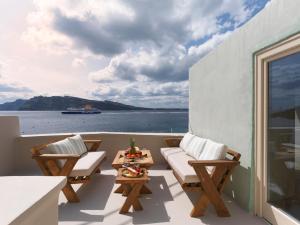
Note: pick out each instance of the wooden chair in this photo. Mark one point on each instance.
(49, 165)
(211, 185)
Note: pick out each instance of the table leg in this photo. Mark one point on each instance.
(126, 189)
(120, 189)
(132, 199)
(145, 190)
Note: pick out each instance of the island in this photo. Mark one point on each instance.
(62, 103)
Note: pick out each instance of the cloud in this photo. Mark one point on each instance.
(1, 68)
(86, 34)
(12, 96)
(150, 45)
(162, 65)
(78, 62)
(11, 92)
(203, 49)
(147, 94)
(111, 27)
(6, 85)
(13, 88)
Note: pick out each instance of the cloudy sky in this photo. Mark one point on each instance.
(135, 52)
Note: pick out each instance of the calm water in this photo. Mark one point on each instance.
(40, 122)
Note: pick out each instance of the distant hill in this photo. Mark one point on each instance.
(41, 103)
(12, 106)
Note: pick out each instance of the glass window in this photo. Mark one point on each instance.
(283, 156)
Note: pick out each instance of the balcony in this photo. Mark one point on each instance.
(168, 204)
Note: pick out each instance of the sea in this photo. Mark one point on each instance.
(158, 121)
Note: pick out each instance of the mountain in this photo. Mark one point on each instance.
(41, 103)
(12, 106)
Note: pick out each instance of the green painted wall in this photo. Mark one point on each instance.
(222, 90)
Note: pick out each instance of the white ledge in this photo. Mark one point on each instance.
(102, 133)
(21, 194)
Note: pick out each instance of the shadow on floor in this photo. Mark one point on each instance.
(93, 196)
(237, 214)
(154, 204)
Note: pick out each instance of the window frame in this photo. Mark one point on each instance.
(275, 51)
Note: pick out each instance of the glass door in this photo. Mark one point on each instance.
(281, 203)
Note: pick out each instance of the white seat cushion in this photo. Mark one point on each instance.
(87, 163)
(195, 147)
(186, 140)
(213, 151)
(78, 144)
(179, 163)
(166, 152)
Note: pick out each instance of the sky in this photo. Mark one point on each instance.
(284, 83)
(134, 52)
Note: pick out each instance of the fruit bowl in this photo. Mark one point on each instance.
(133, 156)
(126, 172)
(137, 154)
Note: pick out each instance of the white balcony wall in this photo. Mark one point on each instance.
(112, 142)
(9, 131)
(222, 89)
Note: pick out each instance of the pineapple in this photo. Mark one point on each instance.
(132, 149)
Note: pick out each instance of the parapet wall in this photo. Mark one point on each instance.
(9, 132)
(111, 143)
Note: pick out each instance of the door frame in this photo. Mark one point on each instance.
(278, 50)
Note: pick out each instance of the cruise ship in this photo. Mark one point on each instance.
(87, 109)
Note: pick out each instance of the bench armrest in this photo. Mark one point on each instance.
(92, 145)
(213, 162)
(92, 141)
(173, 142)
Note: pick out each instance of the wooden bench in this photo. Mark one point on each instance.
(209, 182)
(78, 168)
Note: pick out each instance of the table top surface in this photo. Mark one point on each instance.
(120, 179)
(145, 161)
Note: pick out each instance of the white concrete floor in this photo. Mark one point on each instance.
(168, 204)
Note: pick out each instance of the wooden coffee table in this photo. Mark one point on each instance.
(133, 188)
(145, 162)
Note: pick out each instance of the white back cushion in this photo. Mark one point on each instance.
(196, 147)
(62, 147)
(73, 145)
(186, 140)
(78, 144)
(213, 151)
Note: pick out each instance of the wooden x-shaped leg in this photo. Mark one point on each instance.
(120, 189)
(145, 190)
(210, 193)
(70, 193)
(132, 197)
(65, 171)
